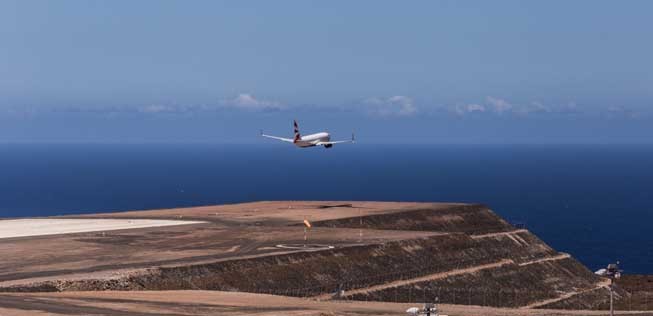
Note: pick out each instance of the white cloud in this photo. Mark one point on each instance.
(539, 107)
(502, 106)
(161, 109)
(499, 105)
(249, 102)
(475, 108)
(397, 105)
(534, 107)
(243, 101)
(620, 111)
(570, 108)
(463, 109)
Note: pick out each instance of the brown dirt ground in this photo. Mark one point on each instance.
(231, 232)
(228, 303)
(237, 231)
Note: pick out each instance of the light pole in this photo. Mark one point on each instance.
(613, 272)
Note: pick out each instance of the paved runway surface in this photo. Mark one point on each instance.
(48, 226)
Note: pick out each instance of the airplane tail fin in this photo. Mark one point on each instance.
(297, 135)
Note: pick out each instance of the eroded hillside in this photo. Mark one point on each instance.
(457, 253)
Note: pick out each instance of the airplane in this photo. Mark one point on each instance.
(317, 139)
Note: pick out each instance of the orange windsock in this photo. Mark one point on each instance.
(307, 223)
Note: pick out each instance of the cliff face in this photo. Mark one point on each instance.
(467, 219)
(475, 258)
(512, 267)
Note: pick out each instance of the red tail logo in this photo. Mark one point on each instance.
(298, 137)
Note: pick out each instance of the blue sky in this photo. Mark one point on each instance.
(419, 71)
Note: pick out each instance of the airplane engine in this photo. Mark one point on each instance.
(328, 145)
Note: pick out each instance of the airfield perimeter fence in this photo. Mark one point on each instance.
(357, 282)
(473, 295)
(419, 291)
(363, 282)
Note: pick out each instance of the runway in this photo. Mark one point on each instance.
(47, 226)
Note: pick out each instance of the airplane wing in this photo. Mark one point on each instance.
(336, 142)
(331, 143)
(278, 138)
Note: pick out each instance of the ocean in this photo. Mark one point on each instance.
(593, 201)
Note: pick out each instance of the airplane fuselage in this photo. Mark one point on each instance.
(313, 139)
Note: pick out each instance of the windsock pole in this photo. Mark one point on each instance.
(307, 225)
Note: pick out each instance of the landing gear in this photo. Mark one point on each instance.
(328, 145)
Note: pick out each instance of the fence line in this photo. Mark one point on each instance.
(481, 296)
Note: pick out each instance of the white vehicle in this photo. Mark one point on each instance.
(429, 309)
(317, 139)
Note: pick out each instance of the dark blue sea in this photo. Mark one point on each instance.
(593, 201)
